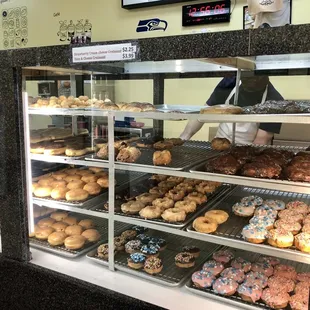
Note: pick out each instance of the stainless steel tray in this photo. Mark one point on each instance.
(122, 178)
(171, 275)
(232, 228)
(52, 158)
(212, 198)
(183, 157)
(235, 300)
(185, 109)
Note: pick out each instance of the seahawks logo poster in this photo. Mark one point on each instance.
(152, 25)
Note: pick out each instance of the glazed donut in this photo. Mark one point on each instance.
(95, 169)
(234, 274)
(213, 266)
(175, 195)
(59, 193)
(74, 230)
(264, 268)
(87, 223)
(60, 183)
(176, 180)
(102, 174)
(197, 197)
(298, 207)
(47, 222)
(219, 216)
(291, 215)
(60, 226)
(250, 293)
(280, 238)
(59, 216)
(187, 206)
(163, 203)
(92, 188)
(73, 177)
(287, 225)
(45, 182)
(71, 171)
(59, 175)
(103, 182)
(285, 271)
(160, 191)
(75, 242)
(205, 225)
(203, 279)
(89, 178)
(256, 278)
(132, 207)
(275, 299)
(224, 286)
(243, 210)
(43, 192)
(57, 238)
(42, 233)
(76, 184)
(205, 187)
(302, 242)
(254, 234)
(223, 256)
(150, 212)
(159, 177)
(146, 198)
(280, 283)
(70, 220)
(242, 264)
(91, 235)
(83, 172)
(76, 195)
(162, 158)
(174, 215)
(34, 186)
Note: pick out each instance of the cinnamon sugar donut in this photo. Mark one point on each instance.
(163, 203)
(187, 206)
(150, 212)
(175, 195)
(197, 197)
(205, 225)
(174, 215)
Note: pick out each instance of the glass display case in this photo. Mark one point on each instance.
(152, 168)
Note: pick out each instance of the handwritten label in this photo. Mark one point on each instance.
(99, 53)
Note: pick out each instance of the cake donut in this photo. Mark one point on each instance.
(275, 299)
(298, 206)
(195, 251)
(224, 286)
(300, 301)
(136, 260)
(285, 271)
(203, 279)
(163, 203)
(302, 287)
(277, 205)
(219, 216)
(273, 261)
(149, 250)
(146, 198)
(291, 215)
(175, 195)
(119, 243)
(133, 246)
(254, 234)
(223, 256)
(184, 260)
(129, 234)
(197, 197)
(306, 228)
(287, 225)
(264, 268)
(256, 278)
(185, 187)
(150, 212)
(234, 274)
(279, 283)
(174, 215)
(213, 266)
(186, 206)
(264, 221)
(205, 187)
(280, 238)
(242, 264)
(241, 209)
(304, 277)
(250, 293)
(266, 211)
(103, 251)
(140, 229)
(160, 243)
(205, 225)
(153, 265)
(254, 201)
(302, 242)
(132, 207)
(160, 191)
(145, 239)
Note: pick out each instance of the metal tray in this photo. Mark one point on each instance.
(52, 158)
(232, 228)
(185, 109)
(235, 300)
(171, 275)
(122, 177)
(183, 157)
(212, 198)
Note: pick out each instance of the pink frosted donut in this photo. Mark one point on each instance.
(224, 286)
(300, 301)
(213, 266)
(298, 207)
(203, 279)
(265, 268)
(303, 277)
(280, 283)
(223, 256)
(275, 299)
(242, 264)
(270, 260)
(285, 271)
(291, 215)
(306, 220)
(250, 293)
(266, 211)
(302, 287)
(256, 278)
(234, 274)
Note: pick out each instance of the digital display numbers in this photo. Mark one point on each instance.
(206, 13)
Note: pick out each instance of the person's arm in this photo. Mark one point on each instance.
(263, 137)
(191, 128)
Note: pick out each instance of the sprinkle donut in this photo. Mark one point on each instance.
(298, 207)
(213, 266)
(273, 261)
(234, 274)
(266, 211)
(203, 279)
(288, 225)
(291, 215)
(254, 234)
(285, 271)
(280, 283)
(224, 286)
(250, 293)
(264, 268)
(275, 299)
(242, 264)
(241, 209)
(256, 278)
(264, 221)
(254, 201)
(277, 205)
(302, 242)
(223, 256)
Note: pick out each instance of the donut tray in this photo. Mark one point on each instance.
(171, 275)
(100, 224)
(212, 198)
(232, 228)
(123, 178)
(183, 157)
(236, 300)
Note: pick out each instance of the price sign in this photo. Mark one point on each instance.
(102, 53)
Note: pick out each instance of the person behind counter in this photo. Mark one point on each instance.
(253, 90)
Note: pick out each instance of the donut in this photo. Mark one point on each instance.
(146, 198)
(285, 271)
(95, 169)
(273, 261)
(289, 226)
(46, 182)
(223, 256)
(266, 211)
(160, 191)
(254, 201)
(72, 171)
(203, 279)
(303, 286)
(145, 239)
(250, 293)
(76, 184)
(224, 286)
(234, 274)
(186, 206)
(46, 222)
(306, 220)
(302, 242)
(129, 234)
(153, 265)
(298, 206)
(60, 183)
(73, 177)
(59, 215)
(174, 215)
(275, 299)
(263, 221)
(205, 187)
(205, 225)
(119, 243)
(57, 238)
(280, 283)
(42, 233)
(291, 215)
(256, 278)
(59, 175)
(242, 264)
(59, 193)
(213, 266)
(139, 229)
(306, 228)
(133, 246)
(243, 210)
(149, 250)
(159, 177)
(254, 234)
(184, 260)
(150, 212)
(219, 216)
(163, 203)
(280, 238)
(74, 230)
(195, 251)
(92, 188)
(264, 268)
(77, 195)
(70, 220)
(136, 260)
(89, 178)
(220, 144)
(197, 197)
(103, 182)
(103, 251)
(160, 243)
(176, 180)
(34, 186)
(277, 205)
(304, 277)
(185, 187)
(43, 192)
(87, 223)
(83, 172)
(300, 301)
(59, 226)
(132, 207)
(162, 158)
(175, 195)
(75, 242)
(102, 174)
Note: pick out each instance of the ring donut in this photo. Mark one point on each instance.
(205, 225)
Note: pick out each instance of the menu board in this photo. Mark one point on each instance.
(132, 4)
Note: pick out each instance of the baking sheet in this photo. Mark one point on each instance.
(185, 109)
(232, 228)
(235, 300)
(171, 275)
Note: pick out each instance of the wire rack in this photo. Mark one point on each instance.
(171, 275)
(235, 299)
(232, 228)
